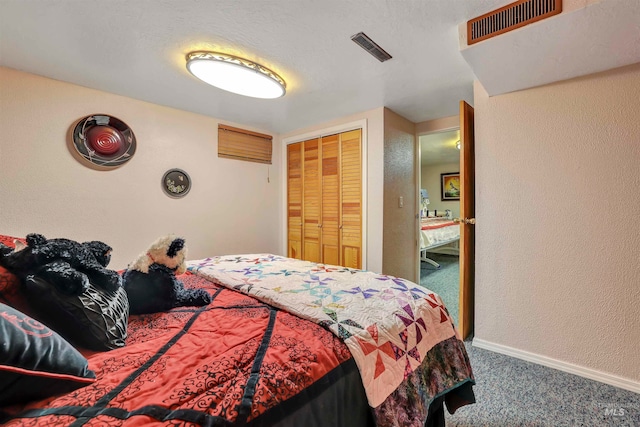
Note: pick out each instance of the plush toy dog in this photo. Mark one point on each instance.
(66, 264)
(151, 283)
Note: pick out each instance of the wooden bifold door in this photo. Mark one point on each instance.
(324, 199)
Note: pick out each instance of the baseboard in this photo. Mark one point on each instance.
(581, 371)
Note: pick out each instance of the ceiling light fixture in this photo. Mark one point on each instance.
(458, 144)
(235, 74)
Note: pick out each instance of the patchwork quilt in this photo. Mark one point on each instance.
(389, 324)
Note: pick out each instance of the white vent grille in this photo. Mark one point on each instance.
(370, 46)
(510, 17)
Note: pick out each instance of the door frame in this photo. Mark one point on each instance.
(358, 124)
(442, 125)
(419, 182)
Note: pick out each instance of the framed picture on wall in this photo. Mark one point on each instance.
(450, 186)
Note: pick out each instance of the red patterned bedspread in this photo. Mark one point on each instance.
(241, 362)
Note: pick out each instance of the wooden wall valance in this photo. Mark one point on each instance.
(241, 144)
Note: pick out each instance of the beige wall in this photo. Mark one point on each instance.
(373, 144)
(558, 193)
(430, 175)
(231, 207)
(431, 180)
(437, 125)
(400, 228)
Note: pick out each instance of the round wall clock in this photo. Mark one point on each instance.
(104, 140)
(176, 183)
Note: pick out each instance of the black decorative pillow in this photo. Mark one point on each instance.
(36, 362)
(96, 319)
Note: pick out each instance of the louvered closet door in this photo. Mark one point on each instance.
(311, 201)
(294, 200)
(330, 236)
(351, 199)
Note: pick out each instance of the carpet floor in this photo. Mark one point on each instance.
(445, 281)
(513, 392)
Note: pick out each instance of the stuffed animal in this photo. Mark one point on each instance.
(66, 264)
(151, 283)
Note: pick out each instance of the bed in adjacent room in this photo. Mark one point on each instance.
(283, 343)
(435, 233)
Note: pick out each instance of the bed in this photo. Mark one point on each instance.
(434, 233)
(284, 343)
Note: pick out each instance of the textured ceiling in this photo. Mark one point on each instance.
(589, 36)
(137, 48)
(440, 147)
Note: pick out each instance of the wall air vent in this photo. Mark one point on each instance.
(370, 46)
(510, 17)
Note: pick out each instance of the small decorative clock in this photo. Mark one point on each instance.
(176, 183)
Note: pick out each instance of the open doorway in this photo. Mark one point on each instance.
(439, 205)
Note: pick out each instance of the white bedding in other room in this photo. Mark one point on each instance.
(432, 237)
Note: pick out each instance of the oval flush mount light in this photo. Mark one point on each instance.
(235, 74)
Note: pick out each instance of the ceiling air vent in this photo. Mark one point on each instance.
(370, 46)
(510, 17)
